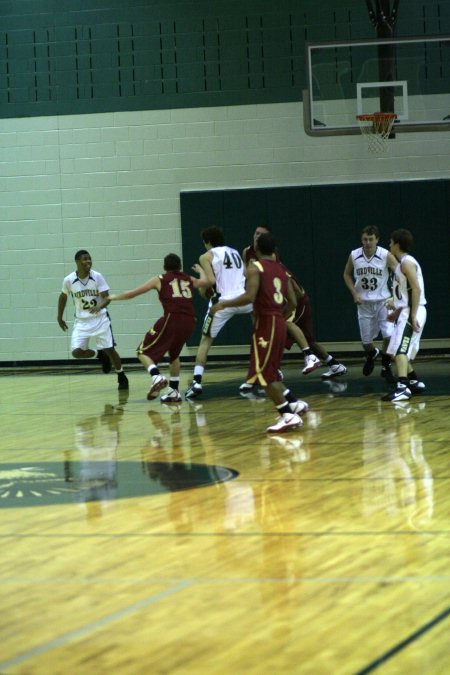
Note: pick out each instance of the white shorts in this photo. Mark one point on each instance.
(213, 326)
(404, 340)
(99, 327)
(372, 319)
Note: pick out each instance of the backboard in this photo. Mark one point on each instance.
(407, 76)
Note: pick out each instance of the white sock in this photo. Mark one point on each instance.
(199, 370)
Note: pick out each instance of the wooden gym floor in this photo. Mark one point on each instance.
(142, 538)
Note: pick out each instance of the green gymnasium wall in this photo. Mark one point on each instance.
(59, 58)
(316, 227)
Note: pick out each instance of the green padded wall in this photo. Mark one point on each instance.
(316, 227)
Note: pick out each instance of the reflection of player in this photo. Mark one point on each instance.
(239, 505)
(87, 287)
(419, 509)
(294, 451)
(399, 480)
(97, 439)
(167, 459)
(170, 332)
(300, 324)
(270, 290)
(280, 563)
(336, 387)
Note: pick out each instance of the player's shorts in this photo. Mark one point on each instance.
(168, 336)
(303, 319)
(97, 327)
(212, 325)
(268, 340)
(372, 319)
(404, 340)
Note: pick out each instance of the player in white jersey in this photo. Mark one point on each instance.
(86, 286)
(366, 275)
(225, 270)
(409, 315)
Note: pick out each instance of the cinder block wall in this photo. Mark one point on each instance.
(111, 183)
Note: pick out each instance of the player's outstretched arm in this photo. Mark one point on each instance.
(153, 283)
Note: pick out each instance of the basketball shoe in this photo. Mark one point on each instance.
(311, 363)
(416, 387)
(245, 387)
(334, 371)
(370, 362)
(251, 391)
(284, 422)
(298, 407)
(194, 390)
(253, 396)
(172, 396)
(158, 383)
(401, 393)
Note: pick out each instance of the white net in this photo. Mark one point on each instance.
(376, 128)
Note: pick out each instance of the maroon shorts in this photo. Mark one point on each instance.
(268, 340)
(303, 319)
(168, 336)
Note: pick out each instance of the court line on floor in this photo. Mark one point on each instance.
(186, 535)
(94, 626)
(331, 480)
(381, 660)
(70, 581)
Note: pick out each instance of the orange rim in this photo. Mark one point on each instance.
(370, 117)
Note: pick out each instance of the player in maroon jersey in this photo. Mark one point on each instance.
(300, 325)
(268, 288)
(170, 332)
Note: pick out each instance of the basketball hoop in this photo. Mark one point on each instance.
(376, 127)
